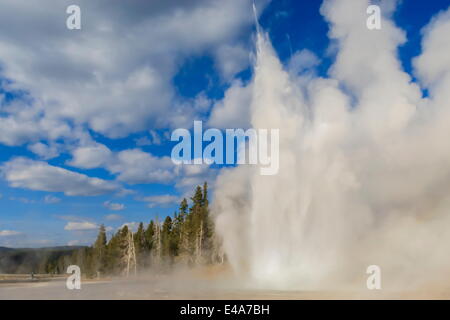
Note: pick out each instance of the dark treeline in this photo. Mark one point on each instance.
(33, 260)
(186, 238)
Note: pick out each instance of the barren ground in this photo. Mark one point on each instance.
(198, 284)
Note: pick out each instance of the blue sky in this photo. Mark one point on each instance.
(102, 101)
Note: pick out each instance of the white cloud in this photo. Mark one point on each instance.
(302, 60)
(23, 123)
(231, 59)
(433, 65)
(89, 157)
(136, 166)
(233, 111)
(44, 151)
(38, 175)
(132, 166)
(9, 233)
(80, 226)
(90, 78)
(70, 82)
(161, 200)
(113, 216)
(51, 199)
(131, 226)
(113, 206)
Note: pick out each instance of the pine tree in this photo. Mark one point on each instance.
(182, 229)
(194, 225)
(149, 235)
(207, 228)
(157, 247)
(188, 237)
(166, 239)
(205, 201)
(114, 253)
(139, 244)
(183, 210)
(99, 257)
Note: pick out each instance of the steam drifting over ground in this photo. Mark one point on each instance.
(364, 164)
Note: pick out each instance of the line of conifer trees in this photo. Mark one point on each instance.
(186, 238)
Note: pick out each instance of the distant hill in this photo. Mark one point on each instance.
(63, 248)
(27, 260)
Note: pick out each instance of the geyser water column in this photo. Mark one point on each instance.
(275, 104)
(290, 230)
(362, 180)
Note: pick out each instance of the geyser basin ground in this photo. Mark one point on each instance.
(195, 284)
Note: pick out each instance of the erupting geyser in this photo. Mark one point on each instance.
(364, 163)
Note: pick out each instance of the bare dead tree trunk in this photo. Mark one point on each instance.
(157, 254)
(198, 251)
(130, 253)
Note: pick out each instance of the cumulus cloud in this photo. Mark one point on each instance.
(45, 151)
(88, 77)
(233, 111)
(67, 85)
(433, 65)
(303, 60)
(88, 157)
(136, 166)
(23, 123)
(231, 59)
(37, 175)
(132, 166)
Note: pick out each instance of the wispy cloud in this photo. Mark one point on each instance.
(114, 206)
(22, 199)
(9, 233)
(49, 199)
(160, 200)
(113, 216)
(80, 226)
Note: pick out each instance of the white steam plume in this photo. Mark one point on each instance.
(364, 164)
